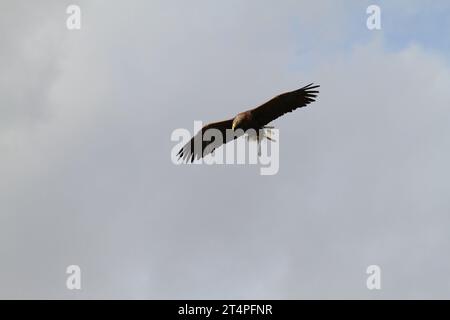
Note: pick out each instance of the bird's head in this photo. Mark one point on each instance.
(237, 123)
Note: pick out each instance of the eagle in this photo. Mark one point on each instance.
(256, 119)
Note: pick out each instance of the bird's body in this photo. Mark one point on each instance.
(255, 119)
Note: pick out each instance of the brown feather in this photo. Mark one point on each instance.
(189, 152)
(284, 103)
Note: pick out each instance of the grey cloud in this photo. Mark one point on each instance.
(362, 175)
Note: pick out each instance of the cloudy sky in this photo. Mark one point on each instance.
(86, 176)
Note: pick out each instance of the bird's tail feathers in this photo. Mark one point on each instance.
(264, 133)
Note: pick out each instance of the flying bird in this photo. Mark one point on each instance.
(256, 119)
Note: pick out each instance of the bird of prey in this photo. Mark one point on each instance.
(256, 119)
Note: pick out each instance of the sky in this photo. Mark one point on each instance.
(87, 179)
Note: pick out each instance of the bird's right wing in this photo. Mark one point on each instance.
(284, 103)
(195, 148)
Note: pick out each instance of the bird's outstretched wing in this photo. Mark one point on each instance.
(195, 148)
(284, 103)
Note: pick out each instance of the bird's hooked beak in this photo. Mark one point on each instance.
(232, 126)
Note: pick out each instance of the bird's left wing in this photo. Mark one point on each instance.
(195, 148)
(284, 103)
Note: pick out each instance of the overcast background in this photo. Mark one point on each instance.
(86, 176)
